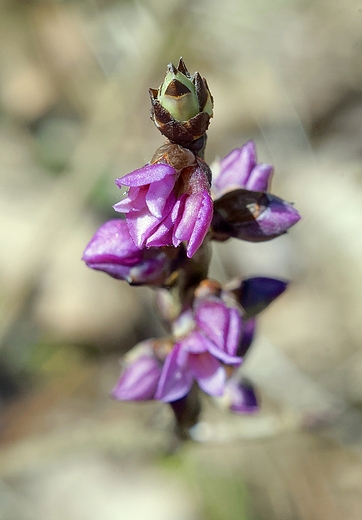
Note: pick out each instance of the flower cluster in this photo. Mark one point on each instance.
(171, 212)
(207, 345)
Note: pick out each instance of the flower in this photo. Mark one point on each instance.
(239, 169)
(243, 208)
(207, 345)
(113, 251)
(168, 202)
(182, 106)
(200, 352)
(140, 375)
(254, 216)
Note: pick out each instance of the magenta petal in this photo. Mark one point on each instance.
(235, 168)
(146, 175)
(232, 336)
(202, 224)
(163, 234)
(278, 217)
(220, 323)
(157, 195)
(175, 381)
(141, 224)
(212, 318)
(223, 356)
(208, 372)
(134, 200)
(195, 343)
(186, 224)
(139, 380)
(259, 177)
(112, 239)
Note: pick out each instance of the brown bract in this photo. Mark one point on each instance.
(181, 132)
(190, 130)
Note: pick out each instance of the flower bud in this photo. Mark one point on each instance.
(254, 216)
(182, 106)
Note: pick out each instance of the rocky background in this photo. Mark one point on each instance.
(74, 115)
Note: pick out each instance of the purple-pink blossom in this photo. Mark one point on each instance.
(239, 169)
(140, 375)
(165, 206)
(113, 251)
(201, 352)
(243, 207)
(205, 339)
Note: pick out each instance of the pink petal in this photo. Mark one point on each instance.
(202, 224)
(163, 234)
(233, 333)
(213, 319)
(157, 195)
(235, 168)
(134, 201)
(186, 224)
(146, 175)
(139, 380)
(259, 178)
(208, 372)
(176, 380)
(194, 343)
(141, 224)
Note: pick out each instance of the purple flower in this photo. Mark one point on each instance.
(165, 206)
(252, 215)
(243, 208)
(113, 251)
(141, 374)
(201, 352)
(239, 169)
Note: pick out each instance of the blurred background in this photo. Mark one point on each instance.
(74, 115)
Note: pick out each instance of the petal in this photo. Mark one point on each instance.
(208, 372)
(278, 217)
(176, 380)
(223, 356)
(163, 234)
(134, 201)
(191, 207)
(220, 323)
(202, 224)
(139, 380)
(157, 195)
(232, 335)
(259, 177)
(141, 225)
(212, 317)
(254, 216)
(113, 251)
(111, 240)
(235, 168)
(146, 175)
(255, 294)
(194, 343)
